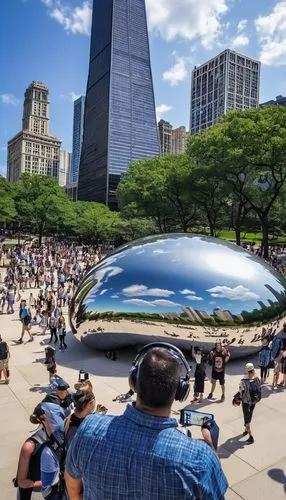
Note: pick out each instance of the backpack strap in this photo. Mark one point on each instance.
(67, 424)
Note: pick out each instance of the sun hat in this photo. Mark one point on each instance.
(249, 367)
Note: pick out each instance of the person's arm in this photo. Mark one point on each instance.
(23, 467)
(74, 487)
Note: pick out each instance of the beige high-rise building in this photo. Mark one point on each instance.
(65, 168)
(34, 150)
(179, 140)
(165, 135)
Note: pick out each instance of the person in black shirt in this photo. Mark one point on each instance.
(219, 356)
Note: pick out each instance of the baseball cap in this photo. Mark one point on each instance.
(60, 384)
(249, 367)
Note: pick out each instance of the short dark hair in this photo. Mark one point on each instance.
(158, 378)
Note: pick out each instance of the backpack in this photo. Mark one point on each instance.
(276, 348)
(3, 350)
(264, 357)
(255, 390)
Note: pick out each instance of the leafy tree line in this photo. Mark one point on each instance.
(38, 205)
(232, 176)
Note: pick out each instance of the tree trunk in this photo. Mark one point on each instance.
(265, 236)
(40, 235)
(237, 235)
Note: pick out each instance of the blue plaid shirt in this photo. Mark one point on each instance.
(138, 456)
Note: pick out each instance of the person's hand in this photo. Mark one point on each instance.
(207, 437)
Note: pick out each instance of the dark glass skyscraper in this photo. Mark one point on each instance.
(120, 120)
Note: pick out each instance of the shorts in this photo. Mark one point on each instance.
(276, 367)
(3, 364)
(218, 376)
(247, 412)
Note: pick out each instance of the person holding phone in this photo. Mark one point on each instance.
(218, 356)
(141, 454)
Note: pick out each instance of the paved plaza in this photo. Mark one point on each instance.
(254, 472)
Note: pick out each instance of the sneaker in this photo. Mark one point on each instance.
(20, 341)
(244, 433)
(31, 339)
(210, 396)
(222, 398)
(250, 440)
(7, 381)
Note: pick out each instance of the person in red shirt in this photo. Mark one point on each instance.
(218, 356)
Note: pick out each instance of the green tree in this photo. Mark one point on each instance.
(41, 203)
(248, 149)
(96, 221)
(7, 205)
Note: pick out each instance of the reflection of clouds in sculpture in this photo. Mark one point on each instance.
(186, 291)
(103, 291)
(231, 264)
(152, 303)
(159, 251)
(193, 297)
(237, 293)
(114, 296)
(142, 291)
(103, 274)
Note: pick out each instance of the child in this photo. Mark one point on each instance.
(62, 332)
(50, 361)
(200, 375)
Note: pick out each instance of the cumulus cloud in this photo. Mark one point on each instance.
(237, 293)
(186, 291)
(241, 25)
(164, 303)
(142, 290)
(73, 19)
(9, 99)
(178, 72)
(193, 297)
(271, 30)
(240, 41)
(187, 19)
(161, 110)
(151, 303)
(70, 96)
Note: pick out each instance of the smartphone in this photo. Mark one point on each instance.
(192, 417)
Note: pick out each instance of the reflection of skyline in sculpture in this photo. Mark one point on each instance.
(179, 280)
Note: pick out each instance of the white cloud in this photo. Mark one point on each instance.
(9, 99)
(164, 303)
(271, 30)
(187, 19)
(241, 25)
(73, 19)
(138, 302)
(193, 297)
(177, 73)
(70, 96)
(237, 293)
(186, 291)
(142, 290)
(240, 41)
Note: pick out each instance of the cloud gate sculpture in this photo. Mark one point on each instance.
(185, 289)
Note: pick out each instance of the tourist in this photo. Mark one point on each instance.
(264, 358)
(4, 360)
(200, 375)
(84, 403)
(10, 301)
(250, 390)
(25, 317)
(283, 366)
(62, 332)
(50, 361)
(218, 357)
(141, 454)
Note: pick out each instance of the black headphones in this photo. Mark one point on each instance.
(184, 384)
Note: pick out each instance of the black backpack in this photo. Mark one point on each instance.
(3, 350)
(255, 390)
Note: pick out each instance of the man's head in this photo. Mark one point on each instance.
(158, 378)
(218, 346)
(61, 388)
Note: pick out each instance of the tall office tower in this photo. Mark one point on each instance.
(65, 168)
(179, 140)
(78, 120)
(34, 149)
(120, 120)
(165, 135)
(226, 82)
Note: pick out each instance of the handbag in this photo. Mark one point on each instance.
(236, 401)
(271, 364)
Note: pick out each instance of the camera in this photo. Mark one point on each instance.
(83, 376)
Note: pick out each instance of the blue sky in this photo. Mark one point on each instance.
(48, 40)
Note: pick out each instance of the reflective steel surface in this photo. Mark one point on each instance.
(184, 289)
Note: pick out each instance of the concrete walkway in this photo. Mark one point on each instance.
(254, 472)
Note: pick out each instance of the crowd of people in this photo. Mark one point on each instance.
(79, 451)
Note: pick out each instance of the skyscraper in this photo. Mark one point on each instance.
(65, 168)
(179, 140)
(34, 149)
(165, 135)
(226, 82)
(120, 120)
(78, 120)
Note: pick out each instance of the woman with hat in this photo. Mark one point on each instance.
(250, 390)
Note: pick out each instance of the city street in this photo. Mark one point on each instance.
(256, 471)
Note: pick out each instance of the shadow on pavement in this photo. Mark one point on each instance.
(231, 445)
(279, 476)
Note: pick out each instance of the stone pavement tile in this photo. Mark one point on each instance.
(265, 485)
(231, 495)
(8, 492)
(234, 467)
